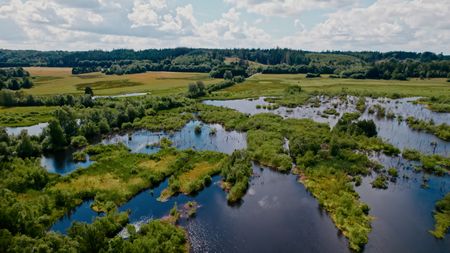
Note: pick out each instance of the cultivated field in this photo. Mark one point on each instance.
(52, 81)
(274, 84)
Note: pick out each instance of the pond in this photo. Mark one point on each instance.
(32, 130)
(390, 130)
(277, 214)
(403, 212)
(141, 142)
(221, 141)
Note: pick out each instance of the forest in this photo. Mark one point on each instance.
(358, 65)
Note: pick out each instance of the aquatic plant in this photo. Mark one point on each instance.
(442, 217)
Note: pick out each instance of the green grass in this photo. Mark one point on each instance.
(442, 217)
(53, 81)
(25, 116)
(274, 85)
(195, 175)
(332, 188)
(118, 175)
(441, 131)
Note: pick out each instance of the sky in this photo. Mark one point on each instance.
(318, 25)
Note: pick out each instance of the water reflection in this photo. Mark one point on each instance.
(390, 130)
(32, 130)
(277, 214)
(212, 137)
(62, 162)
(403, 212)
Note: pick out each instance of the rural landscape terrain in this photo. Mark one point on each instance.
(228, 126)
(240, 150)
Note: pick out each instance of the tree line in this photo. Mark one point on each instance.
(373, 65)
(15, 79)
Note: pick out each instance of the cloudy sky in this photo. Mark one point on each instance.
(385, 25)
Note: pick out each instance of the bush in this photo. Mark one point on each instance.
(380, 182)
(79, 142)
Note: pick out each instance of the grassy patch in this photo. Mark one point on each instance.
(236, 172)
(53, 81)
(437, 103)
(170, 120)
(442, 217)
(441, 131)
(103, 85)
(25, 116)
(274, 85)
(333, 189)
(195, 173)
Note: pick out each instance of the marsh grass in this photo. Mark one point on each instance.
(275, 84)
(25, 116)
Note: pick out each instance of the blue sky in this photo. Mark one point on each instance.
(384, 25)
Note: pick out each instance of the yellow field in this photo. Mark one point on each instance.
(52, 81)
(273, 84)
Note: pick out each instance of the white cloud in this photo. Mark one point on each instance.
(416, 25)
(387, 24)
(286, 7)
(145, 12)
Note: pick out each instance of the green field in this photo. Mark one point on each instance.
(25, 116)
(53, 81)
(274, 84)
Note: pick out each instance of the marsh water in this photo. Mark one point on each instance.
(402, 213)
(391, 130)
(278, 213)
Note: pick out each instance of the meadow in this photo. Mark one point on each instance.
(275, 84)
(53, 81)
(25, 116)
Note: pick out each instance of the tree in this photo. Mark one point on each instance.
(67, 120)
(228, 75)
(88, 91)
(14, 84)
(27, 83)
(196, 89)
(26, 148)
(55, 139)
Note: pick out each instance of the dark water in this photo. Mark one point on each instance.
(403, 212)
(62, 162)
(83, 213)
(390, 130)
(277, 214)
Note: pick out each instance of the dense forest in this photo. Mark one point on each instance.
(15, 79)
(358, 65)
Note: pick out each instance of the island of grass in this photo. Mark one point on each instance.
(442, 217)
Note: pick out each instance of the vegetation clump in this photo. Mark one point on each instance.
(236, 172)
(380, 182)
(15, 79)
(393, 172)
(411, 154)
(194, 172)
(442, 217)
(441, 131)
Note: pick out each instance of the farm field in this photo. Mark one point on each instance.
(53, 81)
(274, 85)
